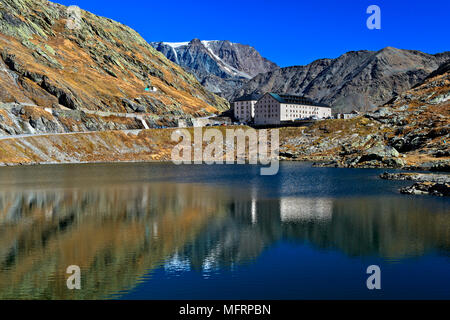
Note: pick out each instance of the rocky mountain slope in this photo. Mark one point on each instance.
(221, 66)
(50, 59)
(100, 146)
(360, 80)
(411, 131)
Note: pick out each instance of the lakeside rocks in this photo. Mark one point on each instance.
(428, 188)
(431, 184)
(381, 155)
(423, 177)
(438, 166)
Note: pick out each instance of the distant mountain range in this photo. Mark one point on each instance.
(360, 80)
(357, 80)
(220, 66)
(106, 66)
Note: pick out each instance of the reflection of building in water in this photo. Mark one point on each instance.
(245, 208)
(251, 224)
(254, 216)
(212, 260)
(301, 209)
(253, 209)
(356, 227)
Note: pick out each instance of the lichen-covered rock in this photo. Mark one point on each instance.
(379, 152)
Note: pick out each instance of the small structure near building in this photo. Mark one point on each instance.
(203, 122)
(350, 115)
(275, 109)
(151, 89)
(244, 107)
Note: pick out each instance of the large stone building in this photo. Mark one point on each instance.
(275, 108)
(244, 107)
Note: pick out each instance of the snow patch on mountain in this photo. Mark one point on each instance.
(176, 44)
(220, 65)
(225, 65)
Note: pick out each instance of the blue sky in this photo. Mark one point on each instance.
(288, 32)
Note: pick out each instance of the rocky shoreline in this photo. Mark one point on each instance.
(419, 177)
(428, 188)
(426, 184)
(435, 166)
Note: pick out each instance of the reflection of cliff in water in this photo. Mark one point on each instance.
(391, 228)
(115, 234)
(118, 234)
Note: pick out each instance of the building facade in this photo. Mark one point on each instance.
(244, 107)
(273, 109)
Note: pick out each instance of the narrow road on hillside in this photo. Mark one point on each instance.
(134, 131)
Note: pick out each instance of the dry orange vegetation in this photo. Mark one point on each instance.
(106, 146)
(102, 146)
(93, 68)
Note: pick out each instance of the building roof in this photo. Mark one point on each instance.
(249, 97)
(292, 99)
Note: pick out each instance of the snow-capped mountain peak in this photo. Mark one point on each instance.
(220, 65)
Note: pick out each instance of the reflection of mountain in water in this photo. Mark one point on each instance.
(114, 234)
(117, 234)
(391, 228)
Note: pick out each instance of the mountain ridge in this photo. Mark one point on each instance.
(103, 65)
(220, 65)
(359, 80)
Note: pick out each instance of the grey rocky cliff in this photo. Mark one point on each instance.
(220, 66)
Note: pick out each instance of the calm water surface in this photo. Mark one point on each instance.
(160, 231)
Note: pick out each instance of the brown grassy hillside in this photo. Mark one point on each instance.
(103, 65)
